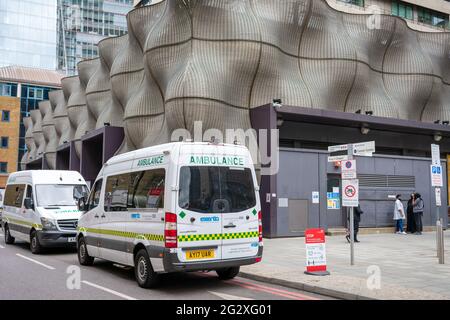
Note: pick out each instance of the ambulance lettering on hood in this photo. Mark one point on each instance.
(217, 160)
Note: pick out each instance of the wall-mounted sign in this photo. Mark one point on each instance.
(333, 200)
(315, 197)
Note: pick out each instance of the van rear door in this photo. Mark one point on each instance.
(199, 227)
(240, 213)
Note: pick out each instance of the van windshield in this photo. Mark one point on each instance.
(216, 189)
(48, 195)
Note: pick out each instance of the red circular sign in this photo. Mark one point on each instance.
(350, 191)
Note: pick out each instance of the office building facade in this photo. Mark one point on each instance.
(82, 24)
(22, 89)
(28, 33)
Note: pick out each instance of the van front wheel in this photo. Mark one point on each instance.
(143, 270)
(8, 238)
(35, 245)
(83, 256)
(228, 273)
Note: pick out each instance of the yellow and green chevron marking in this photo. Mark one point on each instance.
(23, 223)
(116, 233)
(217, 236)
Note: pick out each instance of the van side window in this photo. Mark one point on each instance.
(94, 196)
(14, 195)
(29, 192)
(116, 192)
(147, 189)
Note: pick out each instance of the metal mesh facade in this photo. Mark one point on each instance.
(213, 60)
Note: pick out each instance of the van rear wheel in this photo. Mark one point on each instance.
(83, 256)
(228, 273)
(8, 238)
(35, 245)
(143, 270)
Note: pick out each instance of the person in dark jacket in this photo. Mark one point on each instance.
(410, 221)
(418, 207)
(357, 212)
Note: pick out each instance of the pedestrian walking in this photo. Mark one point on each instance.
(399, 215)
(410, 221)
(357, 212)
(418, 207)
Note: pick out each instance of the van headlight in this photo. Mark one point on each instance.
(48, 224)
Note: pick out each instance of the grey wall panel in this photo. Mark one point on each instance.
(48, 128)
(38, 134)
(63, 129)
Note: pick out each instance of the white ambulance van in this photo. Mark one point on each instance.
(184, 206)
(40, 207)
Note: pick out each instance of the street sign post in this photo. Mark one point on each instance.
(350, 183)
(437, 182)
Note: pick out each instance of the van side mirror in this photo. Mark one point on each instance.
(28, 203)
(82, 204)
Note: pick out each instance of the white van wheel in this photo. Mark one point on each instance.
(83, 256)
(228, 273)
(145, 276)
(8, 238)
(35, 246)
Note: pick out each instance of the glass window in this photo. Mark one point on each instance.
(402, 10)
(4, 142)
(216, 189)
(5, 115)
(94, 196)
(39, 94)
(116, 192)
(14, 195)
(3, 167)
(147, 189)
(67, 195)
(5, 89)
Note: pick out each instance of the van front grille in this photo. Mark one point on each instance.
(68, 224)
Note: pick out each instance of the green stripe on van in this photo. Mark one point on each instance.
(116, 233)
(217, 236)
(23, 223)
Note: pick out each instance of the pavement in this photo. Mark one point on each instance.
(56, 274)
(407, 266)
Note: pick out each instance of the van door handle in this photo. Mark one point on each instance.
(103, 216)
(229, 226)
(96, 216)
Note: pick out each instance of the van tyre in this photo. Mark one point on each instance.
(8, 238)
(83, 256)
(228, 273)
(143, 270)
(35, 245)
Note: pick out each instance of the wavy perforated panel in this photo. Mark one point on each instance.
(48, 129)
(212, 60)
(38, 134)
(63, 129)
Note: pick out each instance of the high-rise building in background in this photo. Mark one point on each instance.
(28, 33)
(83, 23)
(421, 15)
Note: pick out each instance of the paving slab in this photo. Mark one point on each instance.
(408, 267)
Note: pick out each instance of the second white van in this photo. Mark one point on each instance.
(182, 206)
(40, 207)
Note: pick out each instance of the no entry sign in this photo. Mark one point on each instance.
(350, 193)
(316, 259)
